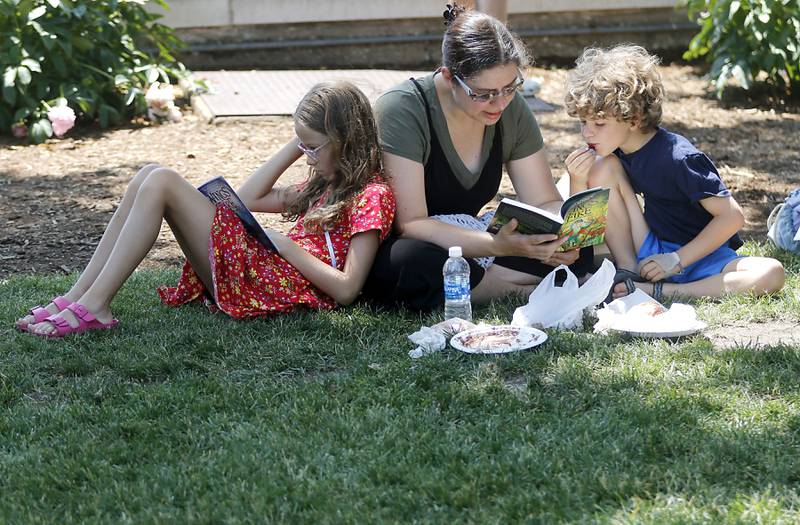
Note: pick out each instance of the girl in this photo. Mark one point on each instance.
(446, 138)
(343, 211)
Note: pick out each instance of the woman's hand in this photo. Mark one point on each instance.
(579, 162)
(535, 246)
(563, 257)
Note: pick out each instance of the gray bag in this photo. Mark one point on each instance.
(780, 227)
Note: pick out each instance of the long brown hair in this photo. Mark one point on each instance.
(340, 111)
(475, 41)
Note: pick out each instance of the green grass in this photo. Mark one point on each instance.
(183, 416)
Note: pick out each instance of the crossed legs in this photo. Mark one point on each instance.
(756, 275)
(626, 231)
(155, 193)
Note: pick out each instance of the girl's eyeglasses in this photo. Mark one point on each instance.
(491, 95)
(313, 153)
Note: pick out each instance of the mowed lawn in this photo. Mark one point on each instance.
(182, 416)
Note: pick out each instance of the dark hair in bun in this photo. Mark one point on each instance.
(475, 41)
(452, 12)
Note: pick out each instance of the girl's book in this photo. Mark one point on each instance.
(217, 190)
(582, 218)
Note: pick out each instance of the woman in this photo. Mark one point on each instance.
(445, 139)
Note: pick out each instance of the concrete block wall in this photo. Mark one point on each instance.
(205, 13)
(277, 34)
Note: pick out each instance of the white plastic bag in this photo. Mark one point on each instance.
(562, 306)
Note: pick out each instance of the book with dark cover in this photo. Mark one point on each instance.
(217, 190)
(582, 219)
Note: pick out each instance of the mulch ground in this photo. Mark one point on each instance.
(56, 197)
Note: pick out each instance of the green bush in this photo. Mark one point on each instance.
(98, 57)
(745, 38)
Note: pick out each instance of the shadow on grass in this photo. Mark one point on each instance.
(584, 428)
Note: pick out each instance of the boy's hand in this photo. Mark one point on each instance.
(579, 162)
(660, 266)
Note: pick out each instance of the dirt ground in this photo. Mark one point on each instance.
(56, 198)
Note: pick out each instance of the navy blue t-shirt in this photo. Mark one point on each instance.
(673, 176)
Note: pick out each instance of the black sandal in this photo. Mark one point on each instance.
(658, 292)
(628, 278)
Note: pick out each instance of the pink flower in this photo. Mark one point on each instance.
(62, 118)
(19, 130)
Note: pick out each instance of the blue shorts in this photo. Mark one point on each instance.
(711, 264)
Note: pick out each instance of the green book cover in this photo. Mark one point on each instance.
(582, 219)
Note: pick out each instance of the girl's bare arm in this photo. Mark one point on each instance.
(343, 285)
(259, 192)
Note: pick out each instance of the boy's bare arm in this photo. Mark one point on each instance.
(728, 219)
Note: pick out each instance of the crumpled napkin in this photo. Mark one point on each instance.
(428, 340)
(434, 338)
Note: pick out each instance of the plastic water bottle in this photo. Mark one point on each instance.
(457, 300)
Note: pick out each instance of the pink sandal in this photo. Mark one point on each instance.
(86, 321)
(40, 313)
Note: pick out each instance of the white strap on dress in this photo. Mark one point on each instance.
(330, 248)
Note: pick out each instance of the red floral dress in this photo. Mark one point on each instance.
(250, 280)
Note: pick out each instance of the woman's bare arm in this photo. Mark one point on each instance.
(533, 182)
(407, 178)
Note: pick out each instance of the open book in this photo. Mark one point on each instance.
(582, 219)
(219, 191)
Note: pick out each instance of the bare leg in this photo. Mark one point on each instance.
(106, 243)
(163, 194)
(626, 229)
(499, 281)
(756, 275)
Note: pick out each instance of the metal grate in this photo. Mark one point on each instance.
(254, 93)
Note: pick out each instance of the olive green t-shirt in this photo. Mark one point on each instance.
(403, 128)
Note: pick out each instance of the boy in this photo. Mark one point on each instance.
(685, 240)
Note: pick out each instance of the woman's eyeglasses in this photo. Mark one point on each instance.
(491, 95)
(313, 153)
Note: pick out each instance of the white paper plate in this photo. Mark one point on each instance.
(679, 320)
(497, 339)
(671, 331)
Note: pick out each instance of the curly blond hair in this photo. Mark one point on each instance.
(340, 111)
(621, 82)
